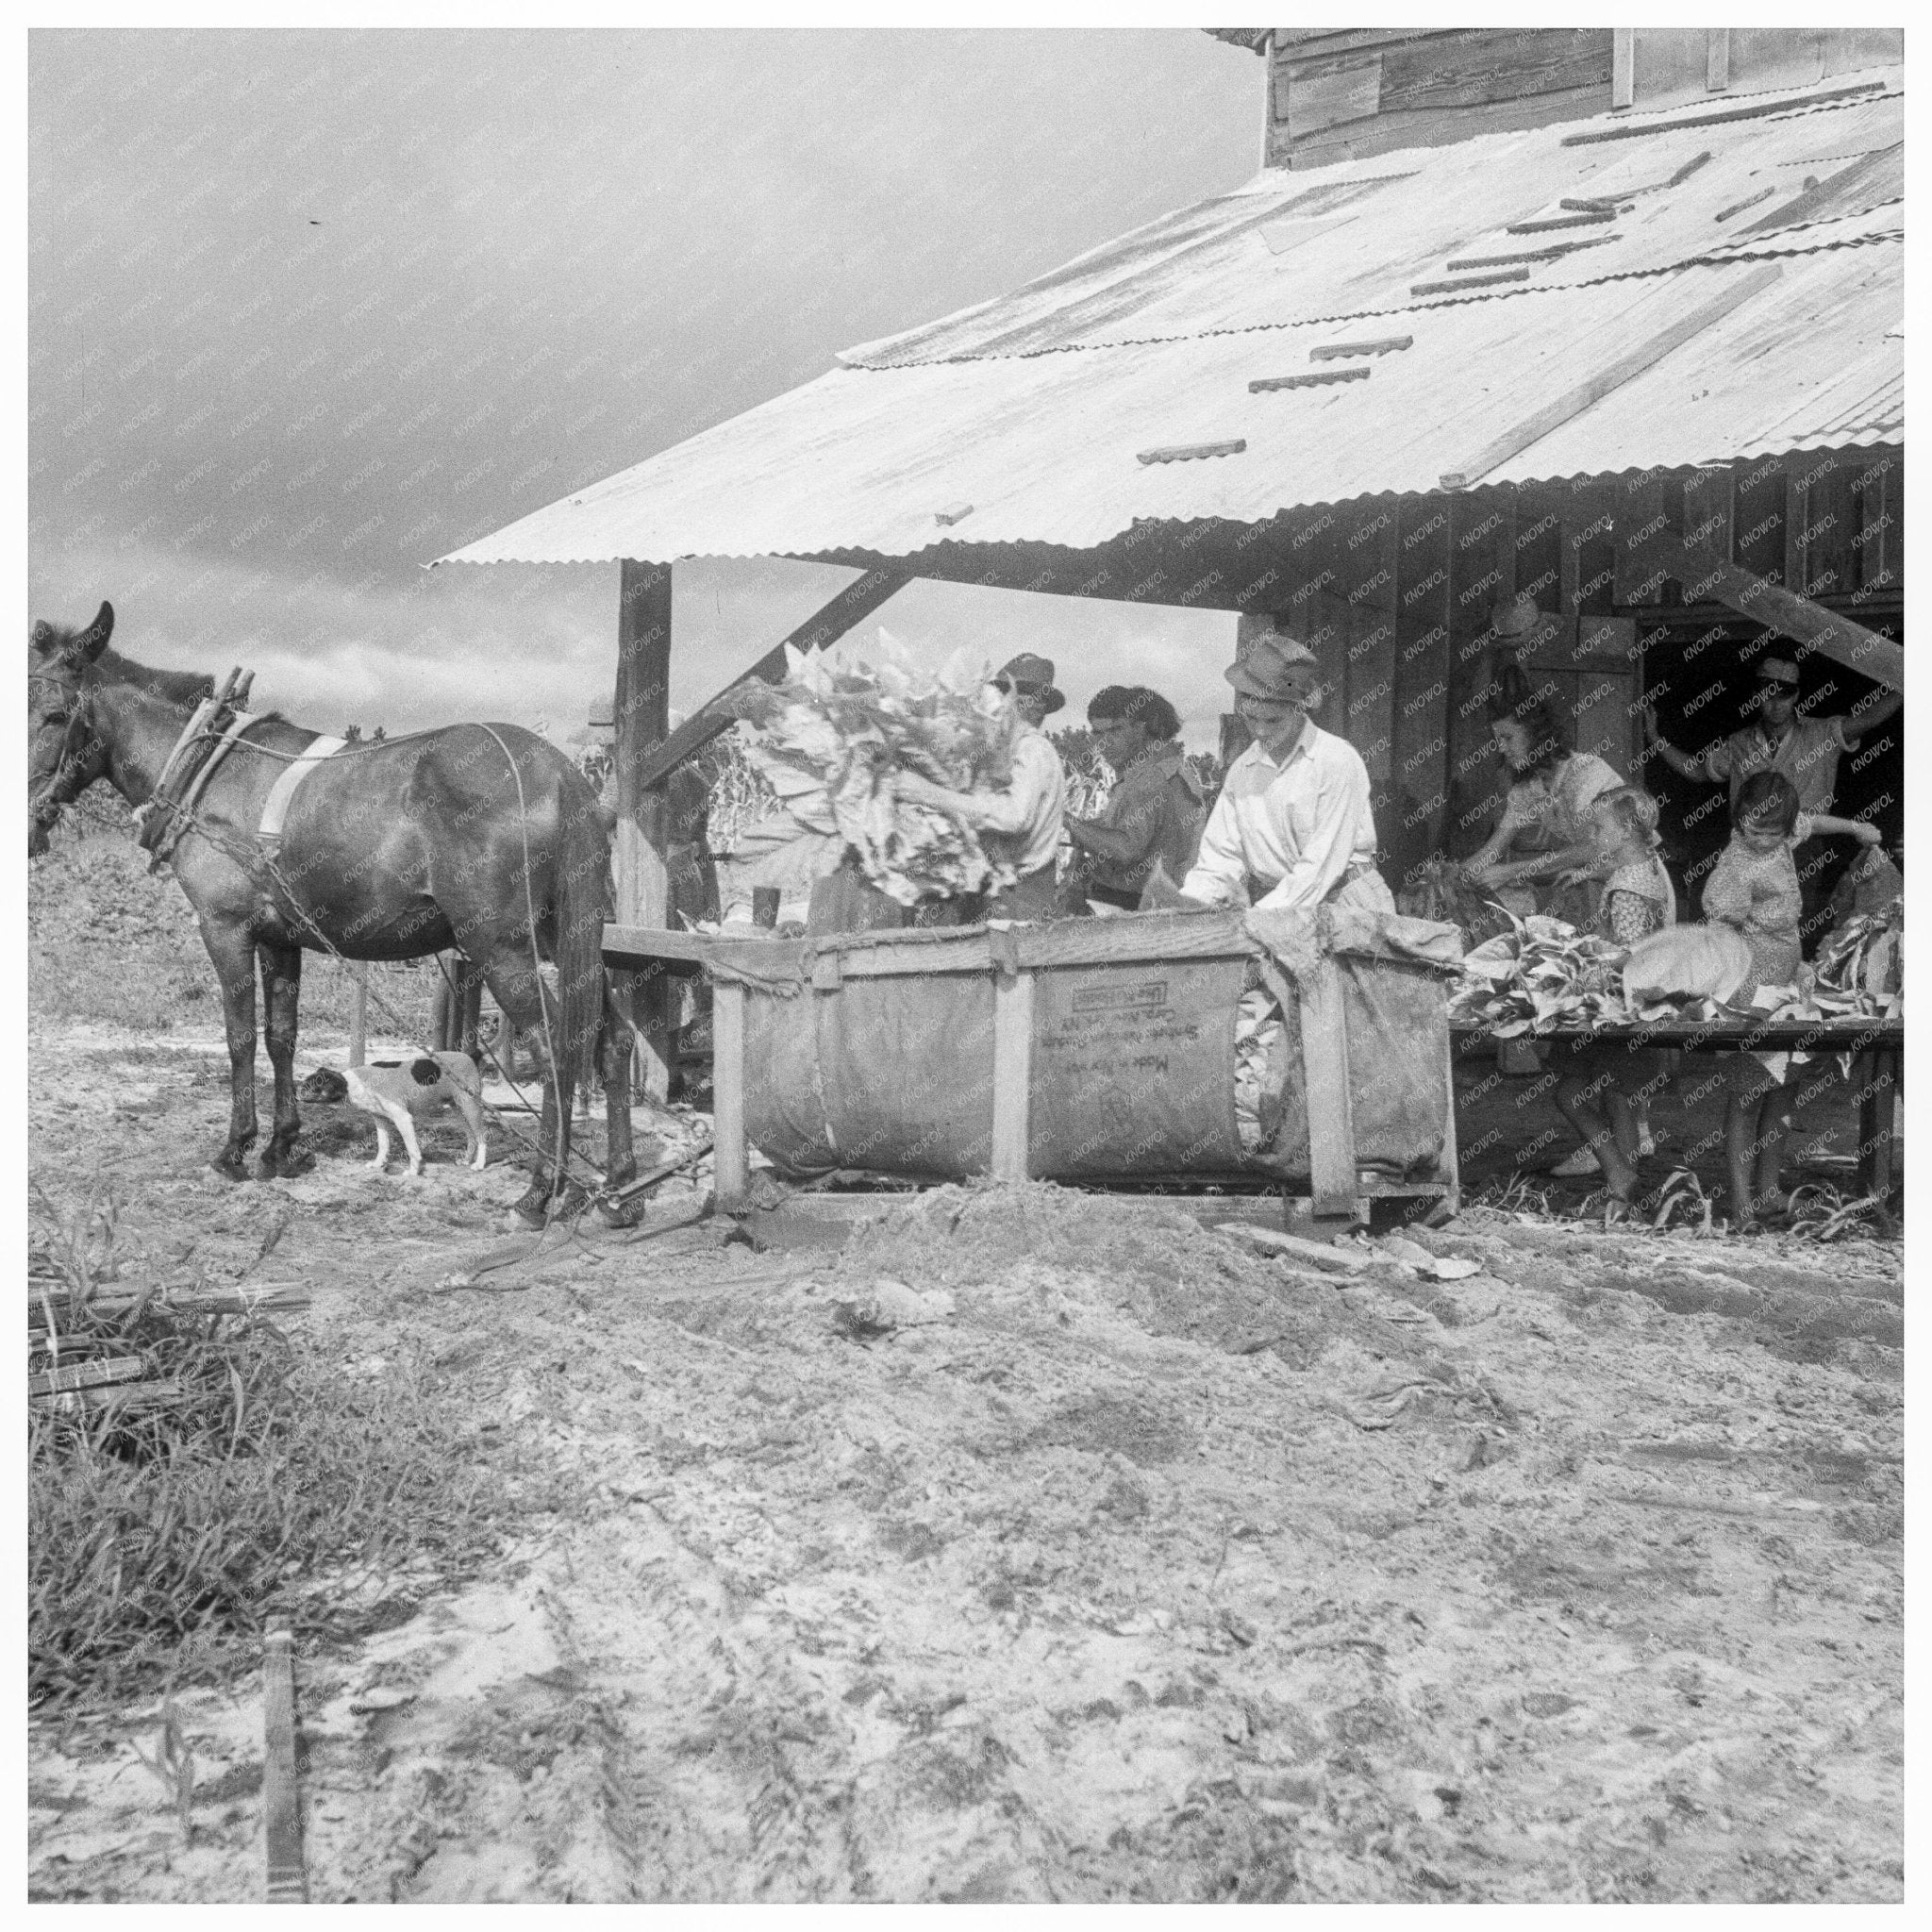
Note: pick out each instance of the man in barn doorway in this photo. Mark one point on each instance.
(1293, 827)
(1805, 749)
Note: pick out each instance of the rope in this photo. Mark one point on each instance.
(252, 857)
(535, 960)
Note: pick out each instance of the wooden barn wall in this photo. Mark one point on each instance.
(1351, 94)
(1397, 599)
(1338, 95)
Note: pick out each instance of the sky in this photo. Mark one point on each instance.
(308, 309)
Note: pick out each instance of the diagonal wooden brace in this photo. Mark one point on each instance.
(1702, 574)
(852, 605)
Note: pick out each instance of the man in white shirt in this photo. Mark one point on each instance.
(1020, 823)
(1292, 826)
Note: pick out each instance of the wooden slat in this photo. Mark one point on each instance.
(1471, 71)
(1321, 379)
(1012, 1073)
(281, 1815)
(641, 842)
(1717, 59)
(1877, 528)
(1324, 1068)
(1710, 509)
(1419, 773)
(1378, 345)
(1193, 451)
(1811, 625)
(852, 605)
(1586, 396)
(1783, 105)
(92, 1375)
(732, 1164)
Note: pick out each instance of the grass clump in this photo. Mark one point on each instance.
(247, 1476)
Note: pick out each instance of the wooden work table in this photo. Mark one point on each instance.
(1884, 1039)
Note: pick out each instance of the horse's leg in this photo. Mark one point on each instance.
(519, 989)
(620, 1159)
(232, 952)
(281, 989)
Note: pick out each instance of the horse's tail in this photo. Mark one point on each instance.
(583, 903)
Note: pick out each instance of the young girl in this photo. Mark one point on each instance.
(1638, 900)
(1754, 889)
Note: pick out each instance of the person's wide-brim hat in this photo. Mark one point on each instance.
(600, 727)
(1275, 666)
(1033, 675)
(1516, 617)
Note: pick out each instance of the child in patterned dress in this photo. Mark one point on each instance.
(1596, 1091)
(1753, 887)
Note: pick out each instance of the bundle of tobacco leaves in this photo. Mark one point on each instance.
(1441, 889)
(855, 724)
(1540, 975)
(1866, 956)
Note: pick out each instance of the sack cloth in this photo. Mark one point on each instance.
(1134, 1062)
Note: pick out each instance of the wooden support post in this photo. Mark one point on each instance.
(1012, 1073)
(1324, 1070)
(1875, 521)
(281, 1813)
(1450, 1167)
(358, 1013)
(1717, 59)
(640, 861)
(731, 1152)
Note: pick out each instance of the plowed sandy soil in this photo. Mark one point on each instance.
(1037, 1546)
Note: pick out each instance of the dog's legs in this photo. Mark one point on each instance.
(471, 1110)
(406, 1128)
(381, 1159)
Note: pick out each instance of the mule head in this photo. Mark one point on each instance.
(64, 756)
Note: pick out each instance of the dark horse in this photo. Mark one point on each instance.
(484, 838)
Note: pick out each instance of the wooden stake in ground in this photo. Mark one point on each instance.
(281, 1817)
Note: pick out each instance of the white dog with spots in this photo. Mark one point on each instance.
(400, 1092)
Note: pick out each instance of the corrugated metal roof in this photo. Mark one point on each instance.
(1047, 447)
(1357, 238)
(1167, 328)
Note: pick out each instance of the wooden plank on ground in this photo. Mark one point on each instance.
(89, 1374)
(1586, 396)
(281, 1815)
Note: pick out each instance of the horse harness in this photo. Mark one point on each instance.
(221, 724)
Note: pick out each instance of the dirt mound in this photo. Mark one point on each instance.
(1022, 1248)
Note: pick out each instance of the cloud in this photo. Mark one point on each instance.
(535, 644)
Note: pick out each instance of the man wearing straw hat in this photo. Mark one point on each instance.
(1020, 822)
(1293, 827)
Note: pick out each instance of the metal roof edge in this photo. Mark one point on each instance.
(859, 557)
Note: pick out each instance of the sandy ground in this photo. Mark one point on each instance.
(1028, 1546)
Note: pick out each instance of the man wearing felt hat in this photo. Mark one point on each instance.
(1805, 750)
(1020, 821)
(1292, 826)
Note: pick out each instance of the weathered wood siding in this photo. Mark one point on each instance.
(1337, 95)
